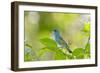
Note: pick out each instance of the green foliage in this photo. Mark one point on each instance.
(59, 53)
(87, 27)
(49, 42)
(69, 56)
(78, 53)
(87, 48)
(28, 57)
(81, 53)
(59, 56)
(52, 46)
(28, 52)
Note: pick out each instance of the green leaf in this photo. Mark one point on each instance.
(87, 48)
(87, 51)
(28, 57)
(87, 55)
(78, 53)
(49, 42)
(59, 55)
(69, 56)
(86, 27)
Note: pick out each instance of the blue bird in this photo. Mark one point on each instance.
(60, 41)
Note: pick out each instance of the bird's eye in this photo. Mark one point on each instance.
(55, 30)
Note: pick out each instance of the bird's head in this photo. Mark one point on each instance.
(55, 32)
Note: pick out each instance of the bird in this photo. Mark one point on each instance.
(60, 41)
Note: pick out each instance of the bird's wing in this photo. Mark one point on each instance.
(64, 44)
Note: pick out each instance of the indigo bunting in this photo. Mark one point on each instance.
(59, 40)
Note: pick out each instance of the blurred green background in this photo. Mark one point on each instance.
(73, 27)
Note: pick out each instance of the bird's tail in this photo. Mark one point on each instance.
(69, 50)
